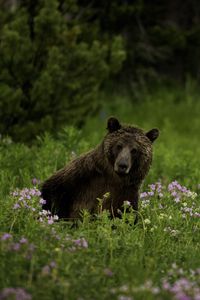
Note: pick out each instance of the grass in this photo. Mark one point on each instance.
(103, 259)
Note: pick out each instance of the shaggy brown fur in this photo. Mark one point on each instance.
(118, 165)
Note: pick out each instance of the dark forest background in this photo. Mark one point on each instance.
(57, 56)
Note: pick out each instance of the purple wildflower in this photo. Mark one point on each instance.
(143, 195)
(174, 193)
(14, 293)
(27, 198)
(150, 193)
(23, 241)
(108, 272)
(6, 236)
(15, 193)
(35, 181)
(16, 206)
(42, 201)
(196, 214)
(152, 187)
(50, 221)
(53, 264)
(16, 246)
(81, 243)
(31, 247)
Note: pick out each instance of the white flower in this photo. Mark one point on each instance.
(162, 216)
(147, 221)
(127, 203)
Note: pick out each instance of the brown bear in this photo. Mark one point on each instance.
(118, 166)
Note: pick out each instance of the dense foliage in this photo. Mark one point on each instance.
(50, 73)
(158, 258)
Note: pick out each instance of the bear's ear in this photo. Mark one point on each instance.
(153, 134)
(113, 124)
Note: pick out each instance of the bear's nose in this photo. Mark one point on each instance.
(122, 167)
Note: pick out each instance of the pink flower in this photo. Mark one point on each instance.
(166, 285)
(50, 221)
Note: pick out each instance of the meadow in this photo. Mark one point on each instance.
(159, 258)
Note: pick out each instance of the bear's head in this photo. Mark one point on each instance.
(129, 149)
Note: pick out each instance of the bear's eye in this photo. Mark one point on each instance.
(133, 151)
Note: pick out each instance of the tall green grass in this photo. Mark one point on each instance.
(103, 259)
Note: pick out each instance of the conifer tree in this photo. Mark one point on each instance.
(50, 73)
